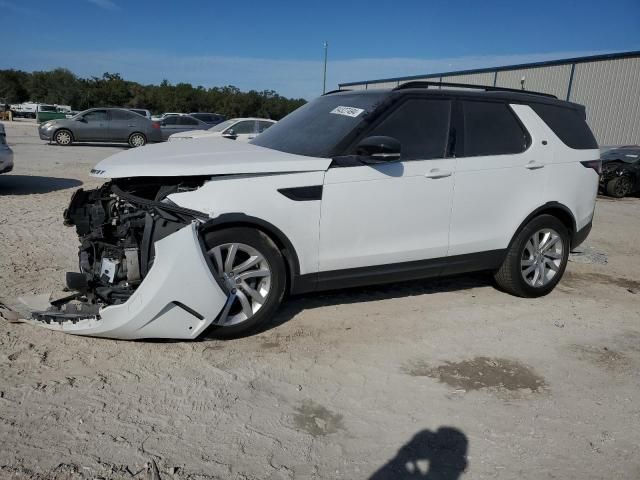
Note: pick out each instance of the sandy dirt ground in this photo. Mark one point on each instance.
(437, 379)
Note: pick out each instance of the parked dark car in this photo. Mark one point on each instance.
(102, 125)
(621, 171)
(181, 123)
(210, 118)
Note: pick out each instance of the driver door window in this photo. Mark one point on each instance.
(244, 131)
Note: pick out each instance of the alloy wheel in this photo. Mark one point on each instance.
(246, 275)
(542, 257)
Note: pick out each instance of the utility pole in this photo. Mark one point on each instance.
(324, 78)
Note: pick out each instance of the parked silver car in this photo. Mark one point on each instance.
(180, 123)
(6, 154)
(102, 125)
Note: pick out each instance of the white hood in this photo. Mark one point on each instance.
(207, 156)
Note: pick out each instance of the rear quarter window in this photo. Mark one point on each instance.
(568, 124)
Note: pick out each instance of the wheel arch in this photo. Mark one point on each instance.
(278, 237)
(556, 209)
(66, 129)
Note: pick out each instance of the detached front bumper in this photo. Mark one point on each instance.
(179, 298)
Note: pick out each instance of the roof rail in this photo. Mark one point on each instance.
(487, 88)
(336, 91)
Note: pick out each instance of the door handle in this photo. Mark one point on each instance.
(438, 173)
(534, 165)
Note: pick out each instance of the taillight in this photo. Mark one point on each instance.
(595, 164)
(155, 125)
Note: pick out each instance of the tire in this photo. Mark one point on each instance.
(137, 139)
(619, 187)
(516, 276)
(63, 137)
(251, 243)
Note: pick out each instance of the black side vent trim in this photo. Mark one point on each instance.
(302, 194)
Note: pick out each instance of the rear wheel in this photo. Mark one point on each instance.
(619, 187)
(63, 137)
(251, 269)
(137, 139)
(536, 259)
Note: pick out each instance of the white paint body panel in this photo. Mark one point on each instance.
(207, 156)
(385, 213)
(258, 196)
(179, 275)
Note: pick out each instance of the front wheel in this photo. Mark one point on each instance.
(619, 187)
(63, 137)
(251, 270)
(137, 140)
(536, 259)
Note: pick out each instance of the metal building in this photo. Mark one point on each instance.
(607, 85)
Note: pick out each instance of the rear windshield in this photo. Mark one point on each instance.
(317, 128)
(568, 124)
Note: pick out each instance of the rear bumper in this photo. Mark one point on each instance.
(581, 235)
(179, 298)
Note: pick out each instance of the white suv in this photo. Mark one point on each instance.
(353, 188)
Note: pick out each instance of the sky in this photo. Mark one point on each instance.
(278, 45)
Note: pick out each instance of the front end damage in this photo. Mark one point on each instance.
(143, 270)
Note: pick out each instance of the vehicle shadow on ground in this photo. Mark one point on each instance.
(123, 146)
(294, 305)
(30, 184)
(440, 455)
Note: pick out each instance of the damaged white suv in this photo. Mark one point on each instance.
(353, 188)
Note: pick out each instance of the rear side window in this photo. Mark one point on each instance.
(420, 125)
(187, 121)
(262, 126)
(492, 129)
(568, 124)
(121, 115)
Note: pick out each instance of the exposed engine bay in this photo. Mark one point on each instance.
(118, 226)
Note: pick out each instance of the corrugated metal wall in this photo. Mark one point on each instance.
(553, 80)
(609, 89)
(611, 92)
(471, 79)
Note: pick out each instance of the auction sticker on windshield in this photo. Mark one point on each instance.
(347, 111)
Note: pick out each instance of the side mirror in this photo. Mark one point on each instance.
(379, 149)
(230, 134)
(82, 119)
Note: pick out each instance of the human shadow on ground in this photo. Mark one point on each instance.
(30, 184)
(440, 455)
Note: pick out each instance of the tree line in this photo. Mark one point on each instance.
(62, 87)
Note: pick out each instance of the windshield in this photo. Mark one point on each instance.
(629, 155)
(317, 128)
(222, 126)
